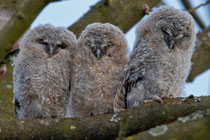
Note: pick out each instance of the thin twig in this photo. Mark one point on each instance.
(146, 9)
(197, 19)
(203, 4)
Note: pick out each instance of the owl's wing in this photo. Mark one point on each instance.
(119, 100)
(131, 78)
(134, 73)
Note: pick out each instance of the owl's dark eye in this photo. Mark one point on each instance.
(109, 55)
(108, 45)
(62, 46)
(41, 41)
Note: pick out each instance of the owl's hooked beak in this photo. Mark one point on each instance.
(98, 54)
(50, 50)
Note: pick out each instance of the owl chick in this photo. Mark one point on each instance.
(42, 72)
(99, 64)
(160, 61)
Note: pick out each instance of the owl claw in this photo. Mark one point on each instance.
(38, 117)
(117, 110)
(167, 96)
(154, 98)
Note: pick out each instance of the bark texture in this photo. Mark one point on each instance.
(103, 126)
(16, 16)
(193, 127)
(122, 13)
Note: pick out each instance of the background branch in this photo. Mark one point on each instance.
(201, 56)
(122, 13)
(193, 9)
(21, 14)
(197, 19)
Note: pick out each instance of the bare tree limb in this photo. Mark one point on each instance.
(194, 126)
(103, 126)
(201, 56)
(197, 19)
(193, 9)
(122, 13)
(22, 13)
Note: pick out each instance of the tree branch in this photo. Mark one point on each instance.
(22, 13)
(122, 13)
(197, 19)
(193, 9)
(103, 126)
(194, 126)
(201, 56)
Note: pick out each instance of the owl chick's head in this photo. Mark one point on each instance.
(48, 39)
(103, 39)
(173, 25)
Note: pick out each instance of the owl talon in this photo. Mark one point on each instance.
(116, 110)
(38, 117)
(154, 98)
(167, 96)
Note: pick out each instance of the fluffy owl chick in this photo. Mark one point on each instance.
(42, 72)
(160, 61)
(99, 64)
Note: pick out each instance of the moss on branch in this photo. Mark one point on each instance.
(195, 126)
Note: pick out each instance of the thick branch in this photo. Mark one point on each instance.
(194, 126)
(20, 15)
(197, 19)
(201, 57)
(104, 126)
(122, 13)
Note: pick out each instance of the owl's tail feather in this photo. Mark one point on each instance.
(119, 100)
